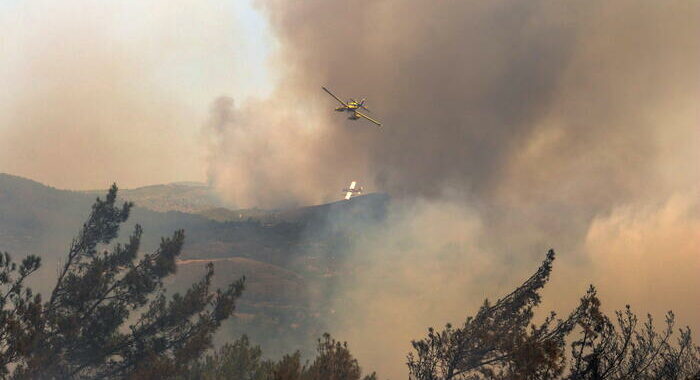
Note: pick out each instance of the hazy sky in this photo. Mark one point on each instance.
(100, 91)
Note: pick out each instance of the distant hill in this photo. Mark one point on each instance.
(200, 199)
(35, 218)
(373, 205)
(223, 214)
(31, 213)
(189, 197)
(41, 219)
(289, 257)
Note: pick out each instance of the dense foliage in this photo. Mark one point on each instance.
(240, 360)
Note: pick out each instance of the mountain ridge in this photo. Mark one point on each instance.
(290, 258)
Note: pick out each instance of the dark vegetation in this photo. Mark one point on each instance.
(501, 342)
(241, 360)
(109, 315)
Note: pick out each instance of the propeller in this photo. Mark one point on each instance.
(362, 105)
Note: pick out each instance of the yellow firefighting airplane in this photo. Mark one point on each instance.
(352, 106)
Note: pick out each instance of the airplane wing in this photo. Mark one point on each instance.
(368, 118)
(331, 94)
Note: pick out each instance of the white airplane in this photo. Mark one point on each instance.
(352, 190)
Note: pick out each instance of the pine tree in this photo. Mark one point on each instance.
(242, 361)
(108, 315)
(19, 309)
(626, 350)
(500, 341)
(237, 360)
(334, 362)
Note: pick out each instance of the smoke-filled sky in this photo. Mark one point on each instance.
(531, 124)
(100, 91)
(510, 127)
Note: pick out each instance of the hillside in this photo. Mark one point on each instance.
(279, 251)
(371, 205)
(199, 199)
(287, 256)
(189, 197)
(41, 219)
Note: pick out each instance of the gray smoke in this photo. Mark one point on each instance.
(510, 127)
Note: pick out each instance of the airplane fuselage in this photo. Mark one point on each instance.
(350, 106)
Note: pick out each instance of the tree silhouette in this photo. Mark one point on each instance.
(239, 360)
(19, 309)
(108, 316)
(236, 360)
(501, 342)
(630, 351)
(334, 362)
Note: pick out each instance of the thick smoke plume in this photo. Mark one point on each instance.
(570, 125)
